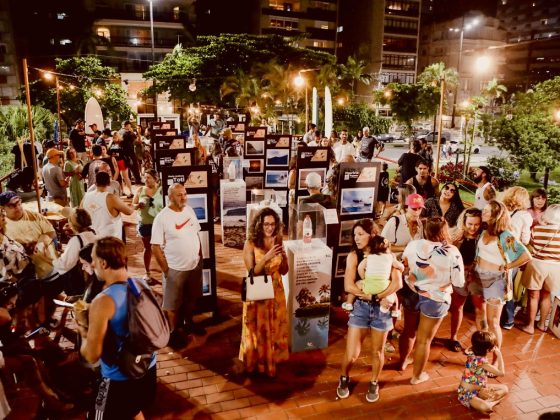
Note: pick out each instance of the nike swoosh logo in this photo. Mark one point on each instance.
(182, 225)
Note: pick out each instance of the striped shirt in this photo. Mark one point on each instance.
(546, 242)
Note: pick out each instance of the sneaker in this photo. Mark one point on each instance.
(347, 306)
(372, 394)
(507, 326)
(342, 391)
(389, 348)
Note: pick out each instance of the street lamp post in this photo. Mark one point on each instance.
(440, 123)
(153, 58)
(58, 108)
(459, 60)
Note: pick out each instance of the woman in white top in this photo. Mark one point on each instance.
(79, 221)
(403, 228)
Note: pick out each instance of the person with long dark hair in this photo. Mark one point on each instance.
(449, 204)
(264, 335)
(539, 203)
(367, 314)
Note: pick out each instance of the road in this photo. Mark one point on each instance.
(394, 150)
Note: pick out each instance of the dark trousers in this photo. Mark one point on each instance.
(135, 167)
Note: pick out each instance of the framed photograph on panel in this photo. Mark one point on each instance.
(254, 148)
(204, 243)
(357, 200)
(199, 205)
(254, 182)
(277, 157)
(554, 324)
(256, 166)
(345, 238)
(197, 179)
(276, 179)
(206, 282)
(341, 264)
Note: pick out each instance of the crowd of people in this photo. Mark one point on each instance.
(417, 262)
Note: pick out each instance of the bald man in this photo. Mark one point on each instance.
(176, 247)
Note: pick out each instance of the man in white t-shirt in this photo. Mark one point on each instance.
(344, 148)
(176, 247)
(485, 191)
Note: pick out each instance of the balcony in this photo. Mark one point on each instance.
(318, 33)
(117, 41)
(321, 14)
(400, 31)
(412, 12)
(122, 14)
(281, 31)
(284, 13)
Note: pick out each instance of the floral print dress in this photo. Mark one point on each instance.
(264, 335)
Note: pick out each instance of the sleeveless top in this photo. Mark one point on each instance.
(118, 328)
(490, 251)
(102, 221)
(427, 190)
(474, 373)
(468, 250)
(147, 215)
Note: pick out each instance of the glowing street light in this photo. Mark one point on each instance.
(48, 75)
(557, 115)
(482, 64)
(299, 82)
(340, 101)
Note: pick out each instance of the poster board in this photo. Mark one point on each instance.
(234, 212)
(196, 181)
(174, 157)
(357, 193)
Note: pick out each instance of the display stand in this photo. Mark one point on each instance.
(195, 179)
(234, 212)
(357, 194)
(309, 285)
(310, 159)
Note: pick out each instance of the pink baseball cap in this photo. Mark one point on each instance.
(415, 201)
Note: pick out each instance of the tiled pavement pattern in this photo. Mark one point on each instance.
(197, 382)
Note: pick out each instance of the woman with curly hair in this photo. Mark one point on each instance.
(497, 253)
(264, 335)
(449, 204)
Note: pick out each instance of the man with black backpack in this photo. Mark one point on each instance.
(128, 373)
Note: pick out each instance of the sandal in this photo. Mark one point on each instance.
(454, 345)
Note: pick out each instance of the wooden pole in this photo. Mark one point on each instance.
(440, 123)
(58, 110)
(31, 133)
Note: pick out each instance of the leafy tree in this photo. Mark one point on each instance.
(80, 79)
(14, 126)
(530, 133)
(433, 74)
(353, 72)
(494, 91)
(410, 102)
(214, 58)
(357, 115)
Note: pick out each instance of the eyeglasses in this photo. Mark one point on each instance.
(447, 187)
(266, 224)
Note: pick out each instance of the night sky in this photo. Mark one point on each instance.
(449, 9)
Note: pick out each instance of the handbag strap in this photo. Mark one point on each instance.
(251, 274)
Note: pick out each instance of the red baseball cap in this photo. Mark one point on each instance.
(415, 201)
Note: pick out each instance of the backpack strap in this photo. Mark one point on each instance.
(397, 223)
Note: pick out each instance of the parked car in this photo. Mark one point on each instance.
(385, 138)
(432, 137)
(459, 147)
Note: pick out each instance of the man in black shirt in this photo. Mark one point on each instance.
(407, 163)
(78, 139)
(129, 138)
(368, 146)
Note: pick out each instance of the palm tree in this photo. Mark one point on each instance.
(245, 87)
(14, 128)
(493, 91)
(354, 72)
(434, 74)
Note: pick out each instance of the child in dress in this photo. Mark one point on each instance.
(474, 391)
(375, 270)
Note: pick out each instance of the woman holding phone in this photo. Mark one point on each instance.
(264, 335)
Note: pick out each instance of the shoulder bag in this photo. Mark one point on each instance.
(256, 288)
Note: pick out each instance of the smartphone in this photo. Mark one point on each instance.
(40, 330)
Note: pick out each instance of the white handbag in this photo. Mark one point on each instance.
(256, 288)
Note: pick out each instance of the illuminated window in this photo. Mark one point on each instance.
(104, 33)
(176, 13)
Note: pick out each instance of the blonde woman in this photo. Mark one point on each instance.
(497, 253)
(517, 201)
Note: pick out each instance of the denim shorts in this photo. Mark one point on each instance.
(413, 302)
(144, 231)
(369, 315)
(489, 285)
